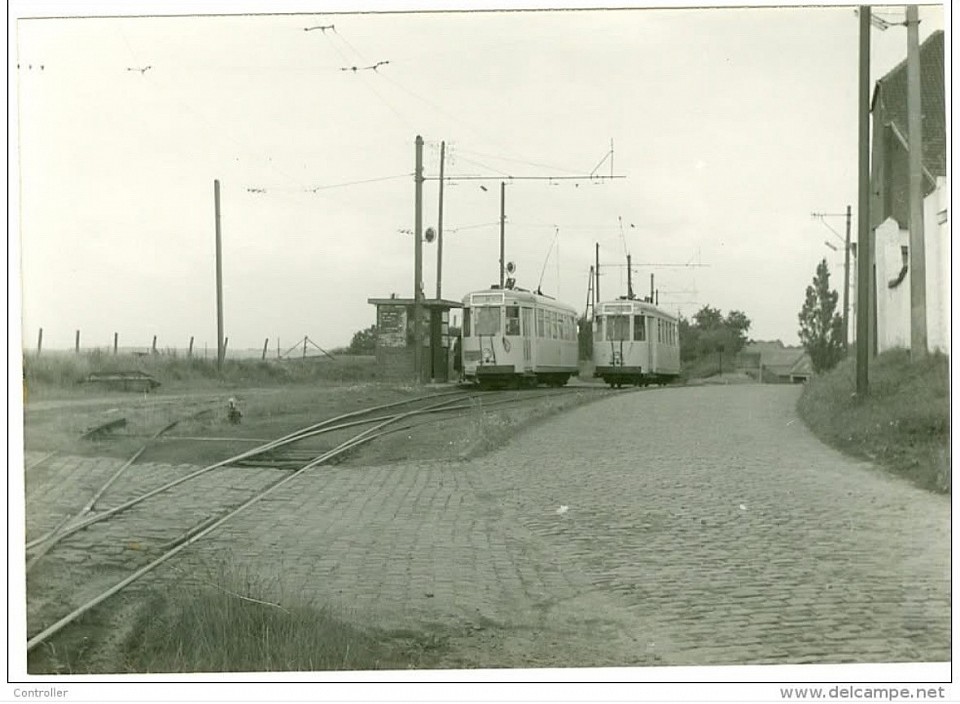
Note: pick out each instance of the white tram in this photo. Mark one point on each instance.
(513, 337)
(635, 342)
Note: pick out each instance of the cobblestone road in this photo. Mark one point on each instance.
(703, 526)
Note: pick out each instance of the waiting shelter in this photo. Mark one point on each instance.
(396, 338)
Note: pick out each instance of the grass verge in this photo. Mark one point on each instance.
(55, 375)
(904, 423)
(234, 622)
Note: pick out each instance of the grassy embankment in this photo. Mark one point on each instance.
(903, 425)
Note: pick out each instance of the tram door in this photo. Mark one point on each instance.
(528, 332)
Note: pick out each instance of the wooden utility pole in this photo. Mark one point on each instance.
(220, 341)
(846, 285)
(265, 343)
(443, 147)
(190, 348)
(503, 201)
(40, 342)
(864, 257)
(77, 344)
(629, 280)
(418, 262)
(918, 278)
(116, 337)
(596, 289)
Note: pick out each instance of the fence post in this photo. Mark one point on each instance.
(78, 342)
(115, 336)
(265, 343)
(190, 349)
(39, 342)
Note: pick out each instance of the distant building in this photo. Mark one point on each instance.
(775, 363)
(890, 204)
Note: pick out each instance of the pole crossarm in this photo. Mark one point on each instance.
(521, 178)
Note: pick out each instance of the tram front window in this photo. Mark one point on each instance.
(618, 327)
(513, 320)
(487, 321)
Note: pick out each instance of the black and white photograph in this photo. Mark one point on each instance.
(371, 343)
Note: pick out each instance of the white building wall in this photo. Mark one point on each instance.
(936, 226)
(893, 304)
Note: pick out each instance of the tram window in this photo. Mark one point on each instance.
(466, 322)
(618, 327)
(513, 320)
(488, 320)
(540, 329)
(639, 328)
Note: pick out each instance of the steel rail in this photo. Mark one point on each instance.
(285, 440)
(359, 439)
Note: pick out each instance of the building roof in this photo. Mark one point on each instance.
(426, 302)
(889, 103)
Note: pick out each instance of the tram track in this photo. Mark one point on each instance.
(380, 426)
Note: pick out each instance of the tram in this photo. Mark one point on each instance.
(635, 343)
(513, 338)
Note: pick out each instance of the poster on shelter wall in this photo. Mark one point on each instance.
(391, 326)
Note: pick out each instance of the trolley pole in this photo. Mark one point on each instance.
(216, 209)
(443, 148)
(629, 280)
(864, 256)
(418, 261)
(503, 196)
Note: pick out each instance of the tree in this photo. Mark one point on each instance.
(364, 341)
(737, 323)
(821, 328)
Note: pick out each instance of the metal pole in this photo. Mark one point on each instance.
(77, 345)
(503, 197)
(115, 338)
(596, 289)
(443, 148)
(651, 288)
(846, 286)
(918, 278)
(418, 261)
(220, 345)
(864, 258)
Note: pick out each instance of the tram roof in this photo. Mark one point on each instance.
(516, 294)
(425, 302)
(636, 305)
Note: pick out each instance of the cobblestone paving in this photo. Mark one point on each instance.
(703, 526)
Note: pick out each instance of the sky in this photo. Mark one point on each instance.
(729, 126)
